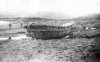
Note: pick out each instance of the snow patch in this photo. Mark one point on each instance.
(4, 22)
(19, 37)
(16, 38)
(35, 60)
(3, 38)
(68, 24)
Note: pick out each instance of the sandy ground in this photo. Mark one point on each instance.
(56, 50)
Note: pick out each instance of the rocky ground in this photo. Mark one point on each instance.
(56, 50)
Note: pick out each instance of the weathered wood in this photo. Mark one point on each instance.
(47, 32)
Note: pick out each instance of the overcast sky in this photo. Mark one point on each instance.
(50, 8)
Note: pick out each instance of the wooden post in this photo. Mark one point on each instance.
(10, 26)
(9, 38)
(21, 25)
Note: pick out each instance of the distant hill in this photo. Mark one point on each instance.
(92, 17)
(30, 19)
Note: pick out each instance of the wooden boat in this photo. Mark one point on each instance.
(47, 31)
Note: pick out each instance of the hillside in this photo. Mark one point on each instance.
(82, 45)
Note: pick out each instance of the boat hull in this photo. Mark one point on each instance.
(47, 34)
(46, 31)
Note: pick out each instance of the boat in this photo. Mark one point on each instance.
(46, 31)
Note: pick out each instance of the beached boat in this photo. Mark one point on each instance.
(47, 31)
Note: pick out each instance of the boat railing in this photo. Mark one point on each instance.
(47, 28)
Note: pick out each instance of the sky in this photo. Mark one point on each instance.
(49, 8)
